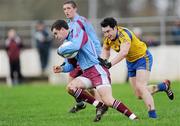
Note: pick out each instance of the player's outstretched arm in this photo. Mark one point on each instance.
(122, 54)
(105, 52)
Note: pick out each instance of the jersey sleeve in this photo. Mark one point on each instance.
(125, 36)
(67, 67)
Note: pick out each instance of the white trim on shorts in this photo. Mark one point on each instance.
(87, 82)
(103, 74)
(104, 85)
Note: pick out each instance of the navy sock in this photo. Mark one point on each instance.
(162, 87)
(152, 114)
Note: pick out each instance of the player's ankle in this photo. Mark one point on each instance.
(152, 114)
(133, 116)
(80, 103)
(162, 87)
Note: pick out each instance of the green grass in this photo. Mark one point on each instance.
(46, 105)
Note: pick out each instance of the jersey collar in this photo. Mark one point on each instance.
(117, 35)
(76, 17)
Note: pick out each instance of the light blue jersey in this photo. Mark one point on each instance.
(87, 56)
(88, 28)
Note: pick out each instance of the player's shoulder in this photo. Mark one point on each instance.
(83, 18)
(125, 32)
(123, 29)
(74, 25)
(75, 28)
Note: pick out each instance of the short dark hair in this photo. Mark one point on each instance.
(74, 5)
(58, 24)
(109, 21)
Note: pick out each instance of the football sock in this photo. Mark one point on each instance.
(152, 114)
(162, 86)
(83, 95)
(123, 109)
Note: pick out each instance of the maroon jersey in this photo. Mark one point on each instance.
(13, 48)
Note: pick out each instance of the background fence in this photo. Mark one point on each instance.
(157, 28)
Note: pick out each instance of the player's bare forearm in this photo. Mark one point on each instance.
(122, 54)
(105, 53)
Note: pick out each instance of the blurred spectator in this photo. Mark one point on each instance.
(43, 43)
(176, 32)
(13, 47)
(138, 32)
(150, 40)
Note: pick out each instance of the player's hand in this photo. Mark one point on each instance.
(104, 62)
(57, 69)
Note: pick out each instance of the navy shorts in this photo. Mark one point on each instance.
(144, 63)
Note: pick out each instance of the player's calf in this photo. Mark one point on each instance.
(109, 101)
(119, 106)
(80, 94)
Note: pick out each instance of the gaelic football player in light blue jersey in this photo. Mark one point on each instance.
(94, 75)
(70, 11)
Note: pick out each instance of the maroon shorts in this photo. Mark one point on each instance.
(76, 72)
(98, 75)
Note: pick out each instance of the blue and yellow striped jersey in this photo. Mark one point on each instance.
(137, 49)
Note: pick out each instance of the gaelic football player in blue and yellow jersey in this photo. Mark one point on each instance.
(139, 61)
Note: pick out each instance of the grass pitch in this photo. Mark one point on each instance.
(47, 105)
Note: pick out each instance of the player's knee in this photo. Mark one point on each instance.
(138, 93)
(70, 89)
(139, 90)
(108, 101)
